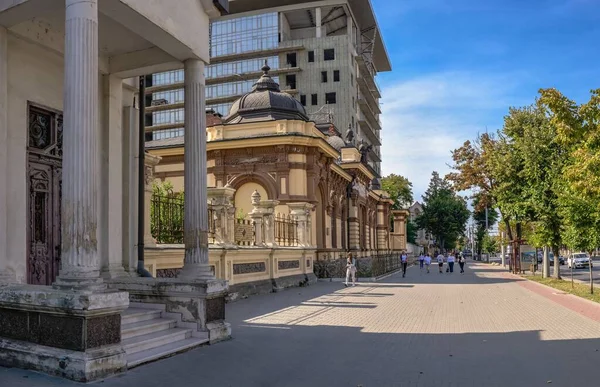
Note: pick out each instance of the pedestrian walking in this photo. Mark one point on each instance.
(350, 270)
(461, 262)
(440, 260)
(427, 262)
(421, 261)
(404, 261)
(451, 260)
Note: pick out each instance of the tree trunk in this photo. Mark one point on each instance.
(546, 264)
(509, 233)
(591, 275)
(556, 262)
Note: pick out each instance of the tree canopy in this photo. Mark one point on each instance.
(399, 189)
(445, 214)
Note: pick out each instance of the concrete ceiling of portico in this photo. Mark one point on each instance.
(113, 38)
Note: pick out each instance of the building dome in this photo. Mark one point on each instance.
(265, 102)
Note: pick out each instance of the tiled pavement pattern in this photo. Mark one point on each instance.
(483, 328)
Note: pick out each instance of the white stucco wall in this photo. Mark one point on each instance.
(36, 75)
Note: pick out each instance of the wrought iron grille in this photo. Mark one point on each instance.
(166, 219)
(286, 230)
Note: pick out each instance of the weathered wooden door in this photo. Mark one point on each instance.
(44, 178)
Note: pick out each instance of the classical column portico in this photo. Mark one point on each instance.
(195, 264)
(80, 264)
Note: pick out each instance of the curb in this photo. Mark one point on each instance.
(555, 291)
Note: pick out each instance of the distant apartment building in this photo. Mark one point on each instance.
(325, 53)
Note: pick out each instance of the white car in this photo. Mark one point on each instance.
(579, 260)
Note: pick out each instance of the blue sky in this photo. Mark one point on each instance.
(458, 65)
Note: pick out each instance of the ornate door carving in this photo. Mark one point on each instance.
(44, 177)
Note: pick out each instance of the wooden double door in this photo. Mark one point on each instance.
(44, 187)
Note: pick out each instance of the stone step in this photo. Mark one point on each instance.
(133, 315)
(154, 340)
(144, 327)
(167, 350)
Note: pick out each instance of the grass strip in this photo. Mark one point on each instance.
(578, 289)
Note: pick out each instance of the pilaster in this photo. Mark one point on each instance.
(79, 256)
(112, 202)
(195, 180)
(6, 275)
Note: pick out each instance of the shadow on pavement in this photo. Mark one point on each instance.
(331, 356)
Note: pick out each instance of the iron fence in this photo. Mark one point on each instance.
(166, 219)
(286, 230)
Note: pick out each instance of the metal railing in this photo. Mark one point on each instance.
(166, 219)
(286, 230)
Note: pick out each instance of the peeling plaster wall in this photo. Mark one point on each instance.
(34, 74)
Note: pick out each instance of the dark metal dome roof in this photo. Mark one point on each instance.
(266, 102)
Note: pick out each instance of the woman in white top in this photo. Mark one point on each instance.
(440, 260)
(350, 270)
(427, 261)
(451, 260)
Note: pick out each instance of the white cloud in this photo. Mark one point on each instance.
(425, 118)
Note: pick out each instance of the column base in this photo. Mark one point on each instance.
(113, 271)
(79, 366)
(71, 334)
(88, 285)
(7, 277)
(199, 302)
(196, 272)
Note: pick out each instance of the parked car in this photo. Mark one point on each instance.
(540, 259)
(579, 260)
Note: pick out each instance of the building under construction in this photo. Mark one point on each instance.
(325, 53)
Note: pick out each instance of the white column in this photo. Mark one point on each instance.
(349, 25)
(112, 202)
(80, 154)
(5, 274)
(318, 21)
(130, 184)
(195, 264)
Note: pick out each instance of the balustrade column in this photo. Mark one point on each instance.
(79, 222)
(196, 265)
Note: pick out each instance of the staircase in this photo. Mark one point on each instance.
(149, 333)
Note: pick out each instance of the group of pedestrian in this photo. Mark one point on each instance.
(449, 258)
(424, 262)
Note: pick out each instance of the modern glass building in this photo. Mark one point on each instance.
(327, 56)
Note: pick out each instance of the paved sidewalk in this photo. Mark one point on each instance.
(480, 329)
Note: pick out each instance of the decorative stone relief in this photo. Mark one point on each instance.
(247, 268)
(286, 265)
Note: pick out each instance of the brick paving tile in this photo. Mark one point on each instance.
(483, 328)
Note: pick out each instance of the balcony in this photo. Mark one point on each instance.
(368, 114)
(368, 76)
(371, 134)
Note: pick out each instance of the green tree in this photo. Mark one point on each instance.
(475, 168)
(445, 214)
(411, 231)
(578, 130)
(399, 189)
(489, 244)
(541, 156)
(479, 216)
